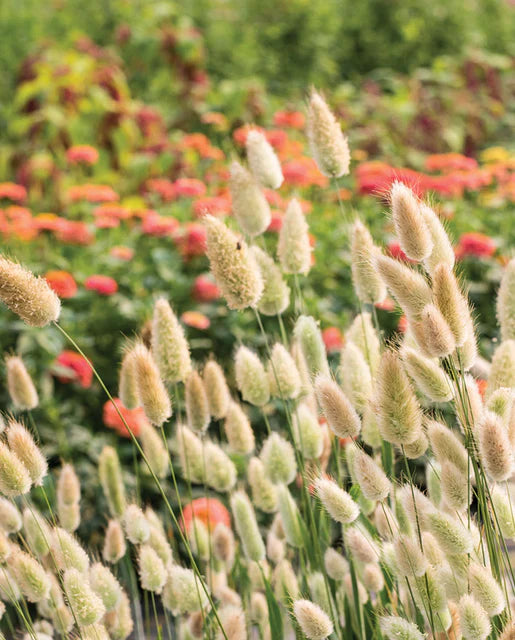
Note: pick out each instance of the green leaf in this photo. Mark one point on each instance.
(274, 613)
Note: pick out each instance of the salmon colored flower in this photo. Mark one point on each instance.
(135, 418)
(92, 193)
(74, 368)
(388, 304)
(62, 282)
(276, 222)
(191, 240)
(482, 386)
(196, 320)
(450, 162)
(112, 211)
(12, 191)
(291, 119)
(107, 223)
(82, 154)
(210, 511)
(159, 226)
(394, 249)
(474, 244)
(402, 325)
(333, 339)
(104, 285)
(189, 188)
(303, 172)
(213, 205)
(205, 290)
(162, 187)
(122, 253)
(48, 221)
(215, 118)
(74, 232)
(275, 137)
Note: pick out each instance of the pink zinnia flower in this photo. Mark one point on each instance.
(82, 153)
(104, 285)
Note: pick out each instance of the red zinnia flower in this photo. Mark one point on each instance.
(82, 153)
(135, 418)
(204, 289)
(475, 244)
(62, 282)
(79, 369)
(394, 249)
(210, 511)
(104, 285)
(333, 339)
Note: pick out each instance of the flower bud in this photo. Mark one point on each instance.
(263, 161)
(329, 146)
(217, 391)
(276, 293)
(294, 247)
(152, 571)
(249, 204)
(247, 527)
(337, 409)
(408, 287)
(136, 525)
(14, 476)
(410, 226)
(233, 266)
(19, 384)
(398, 413)
(114, 543)
(26, 450)
(87, 607)
(278, 458)
(238, 430)
(26, 295)
(197, 409)
(111, 479)
(368, 284)
(264, 492)
(474, 621)
(312, 619)
(337, 502)
(151, 390)
(251, 377)
(105, 585)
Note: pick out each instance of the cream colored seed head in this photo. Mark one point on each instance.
(293, 247)
(290, 517)
(68, 485)
(442, 251)
(217, 391)
(329, 146)
(110, 473)
(152, 571)
(446, 445)
(31, 578)
(417, 448)
(398, 413)
(283, 375)
(87, 607)
(395, 627)
(221, 472)
(19, 384)
(338, 503)
(452, 303)
(251, 377)
(151, 390)
(67, 552)
(169, 345)
(114, 543)
(249, 204)
(10, 517)
(238, 430)
(14, 477)
(155, 451)
(408, 287)
(454, 486)
(411, 561)
(368, 284)
(233, 266)
(191, 454)
(474, 621)
(495, 447)
(335, 564)
(127, 385)
(502, 372)
(26, 295)
(26, 450)
(485, 588)
(373, 579)
(309, 436)
(429, 378)
(223, 544)
(433, 333)
(506, 302)
(355, 376)
(137, 528)
(264, 492)
(312, 619)
(37, 532)
(410, 226)
(337, 409)
(450, 534)
(278, 457)
(105, 585)
(197, 408)
(371, 478)
(360, 546)
(247, 527)
(363, 334)
(263, 161)
(276, 293)
(119, 622)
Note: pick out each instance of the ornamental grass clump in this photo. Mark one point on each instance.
(360, 497)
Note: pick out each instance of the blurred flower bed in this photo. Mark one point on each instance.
(103, 195)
